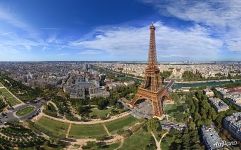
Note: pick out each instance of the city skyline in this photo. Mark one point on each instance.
(108, 30)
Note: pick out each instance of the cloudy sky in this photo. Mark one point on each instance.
(196, 30)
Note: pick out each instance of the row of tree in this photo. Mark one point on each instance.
(190, 76)
(23, 92)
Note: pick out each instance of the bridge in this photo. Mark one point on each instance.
(169, 85)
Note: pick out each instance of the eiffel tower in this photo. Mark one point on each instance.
(152, 89)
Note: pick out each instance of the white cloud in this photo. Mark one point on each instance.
(90, 52)
(222, 16)
(133, 42)
(13, 20)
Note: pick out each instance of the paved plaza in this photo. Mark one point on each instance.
(143, 110)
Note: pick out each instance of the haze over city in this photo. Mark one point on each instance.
(110, 30)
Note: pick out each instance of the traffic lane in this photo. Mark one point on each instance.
(30, 115)
(9, 116)
(36, 111)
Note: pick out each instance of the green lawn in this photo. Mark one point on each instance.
(79, 131)
(25, 111)
(176, 111)
(166, 143)
(169, 107)
(118, 124)
(100, 113)
(10, 99)
(56, 128)
(138, 141)
(111, 147)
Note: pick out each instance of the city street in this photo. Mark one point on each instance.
(10, 115)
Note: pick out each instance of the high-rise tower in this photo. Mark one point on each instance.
(152, 89)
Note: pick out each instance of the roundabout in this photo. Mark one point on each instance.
(21, 112)
(25, 111)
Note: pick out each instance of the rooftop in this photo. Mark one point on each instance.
(211, 137)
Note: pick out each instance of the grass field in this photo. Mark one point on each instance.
(100, 113)
(25, 111)
(118, 124)
(176, 111)
(112, 146)
(56, 128)
(78, 131)
(10, 99)
(169, 108)
(138, 140)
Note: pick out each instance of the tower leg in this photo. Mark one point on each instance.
(157, 108)
(133, 101)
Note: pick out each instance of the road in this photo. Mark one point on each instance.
(170, 84)
(10, 115)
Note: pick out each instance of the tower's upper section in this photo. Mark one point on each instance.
(152, 58)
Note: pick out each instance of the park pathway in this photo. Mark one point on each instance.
(57, 109)
(67, 134)
(82, 142)
(73, 111)
(158, 143)
(121, 144)
(90, 122)
(3, 87)
(107, 131)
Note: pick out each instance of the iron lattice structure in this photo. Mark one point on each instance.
(152, 88)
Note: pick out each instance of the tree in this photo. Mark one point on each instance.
(102, 103)
(203, 113)
(191, 125)
(212, 114)
(166, 74)
(190, 76)
(153, 125)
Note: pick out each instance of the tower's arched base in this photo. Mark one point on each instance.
(156, 99)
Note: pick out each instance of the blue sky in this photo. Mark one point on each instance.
(53, 30)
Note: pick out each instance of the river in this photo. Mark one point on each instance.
(203, 84)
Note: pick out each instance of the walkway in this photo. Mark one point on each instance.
(3, 87)
(20, 102)
(106, 130)
(73, 110)
(121, 144)
(158, 143)
(82, 142)
(56, 108)
(67, 134)
(90, 122)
